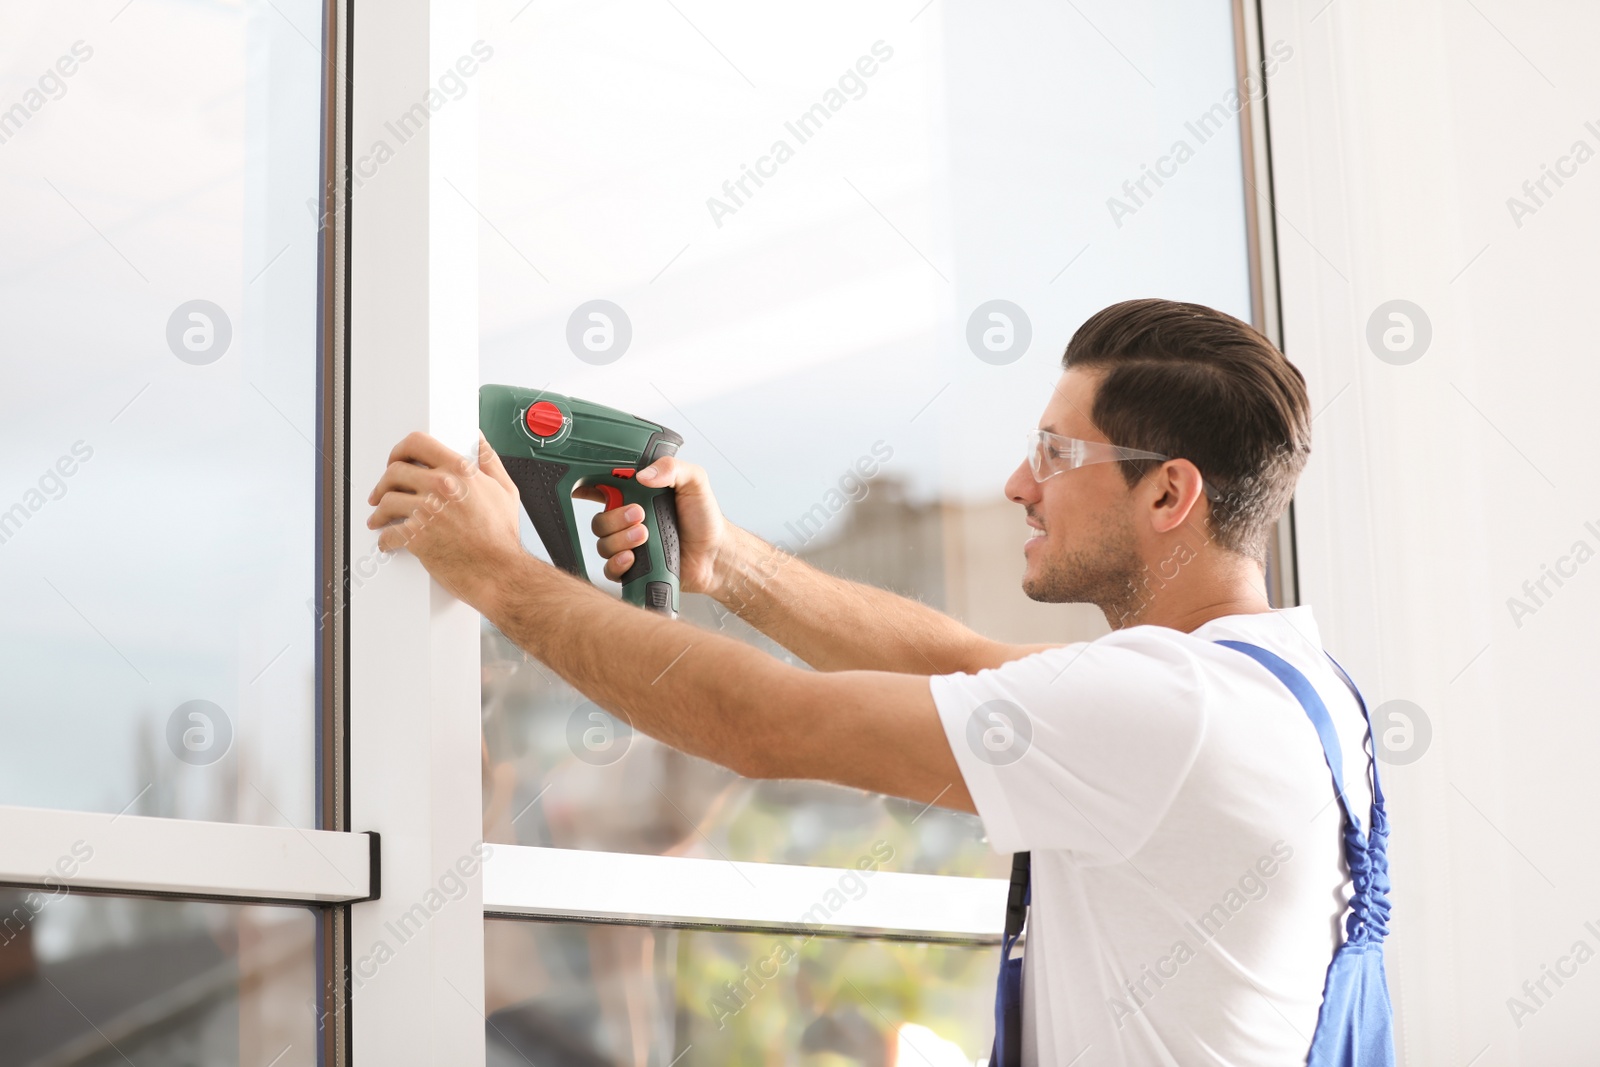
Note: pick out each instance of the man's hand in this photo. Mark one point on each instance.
(830, 623)
(703, 534)
(460, 518)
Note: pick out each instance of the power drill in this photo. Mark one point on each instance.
(552, 444)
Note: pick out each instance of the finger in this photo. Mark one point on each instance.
(397, 477)
(418, 447)
(402, 506)
(661, 472)
(489, 463)
(391, 507)
(399, 517)
(618, 565)
(394, 538)
(403, 476)
(616, 520)
(628, 539)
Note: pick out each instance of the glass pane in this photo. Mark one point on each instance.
(581, 995)
(806, 216)
(158, 319)
(100, 981)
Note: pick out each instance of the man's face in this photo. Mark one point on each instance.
(1084, 547)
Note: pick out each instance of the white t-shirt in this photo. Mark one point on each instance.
(1188, 878)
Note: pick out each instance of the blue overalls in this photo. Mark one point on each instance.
(1355, 1025)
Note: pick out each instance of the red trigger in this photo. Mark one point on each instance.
(613, 496)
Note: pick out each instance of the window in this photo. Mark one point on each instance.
(253, 245)
(649, 995)
(160, 536)
(840, 251)
(103, 981)
(157, 538)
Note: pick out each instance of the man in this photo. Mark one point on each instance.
(1187, 875)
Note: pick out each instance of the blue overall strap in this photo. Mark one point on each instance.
(1007, 1051)
(1356, 1024)
(1377, 787)
(1316, 711)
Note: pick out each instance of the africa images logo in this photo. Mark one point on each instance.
(999, 732)
(199, 732)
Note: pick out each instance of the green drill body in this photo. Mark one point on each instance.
(552, 444)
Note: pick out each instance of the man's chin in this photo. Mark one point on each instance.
(1055, 585)
(1043, 592)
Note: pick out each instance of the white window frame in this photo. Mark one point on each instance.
(93, 852)
(399, 684)
(522, 882)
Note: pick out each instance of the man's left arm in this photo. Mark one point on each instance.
(701, 692)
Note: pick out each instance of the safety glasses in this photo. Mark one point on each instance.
(1051, 453)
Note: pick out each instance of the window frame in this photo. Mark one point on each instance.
(581, 885)
(185, 859)
(326, 867)
(397, 663)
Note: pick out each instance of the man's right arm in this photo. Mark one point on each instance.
(829, 622)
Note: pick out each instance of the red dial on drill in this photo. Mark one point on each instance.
(544, 419)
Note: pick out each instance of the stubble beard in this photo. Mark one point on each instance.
(1104, 574)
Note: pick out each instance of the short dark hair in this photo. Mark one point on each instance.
(1194, 383)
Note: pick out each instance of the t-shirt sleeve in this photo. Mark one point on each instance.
(1081, 747)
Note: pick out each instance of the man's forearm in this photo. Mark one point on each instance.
(838, 625)
(722, 699)
(681, 684)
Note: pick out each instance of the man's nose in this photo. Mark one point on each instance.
(1020, 487)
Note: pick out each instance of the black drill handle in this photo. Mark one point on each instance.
(545, 487)
(661, 520)
(667, 519)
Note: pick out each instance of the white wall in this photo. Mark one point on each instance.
(1438, 487)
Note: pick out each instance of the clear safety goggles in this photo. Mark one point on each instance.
(1051, 453)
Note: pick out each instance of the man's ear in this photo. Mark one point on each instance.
(1176, 490)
